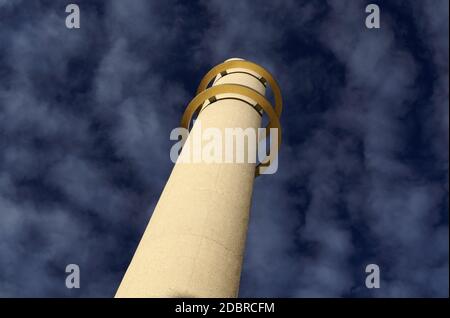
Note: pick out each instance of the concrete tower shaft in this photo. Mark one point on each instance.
(194, 243)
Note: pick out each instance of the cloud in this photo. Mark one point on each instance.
(85, 117)
(357, 195)
(81, 148)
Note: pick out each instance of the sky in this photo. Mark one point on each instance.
(86, 114)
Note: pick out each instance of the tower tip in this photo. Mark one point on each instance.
(235, 59)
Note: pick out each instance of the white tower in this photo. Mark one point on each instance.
(194, 243)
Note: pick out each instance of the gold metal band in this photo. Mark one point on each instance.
(223, 67)
(204, 93)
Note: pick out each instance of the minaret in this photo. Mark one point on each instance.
(194, 243)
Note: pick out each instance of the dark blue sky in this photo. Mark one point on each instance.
(85, 117)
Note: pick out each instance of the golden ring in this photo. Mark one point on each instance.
(213, 91)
